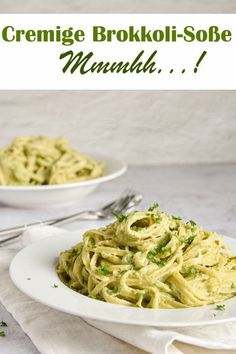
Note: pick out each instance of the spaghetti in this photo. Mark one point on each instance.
(151, 259)
(42, 160)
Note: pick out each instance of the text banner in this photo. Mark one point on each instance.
(118, 51)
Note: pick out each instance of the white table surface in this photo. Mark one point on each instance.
(204, 193)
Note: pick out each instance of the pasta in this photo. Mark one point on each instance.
(42, 160)
(153, 260)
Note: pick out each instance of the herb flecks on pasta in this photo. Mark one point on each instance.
(150, 259)
(42, 160)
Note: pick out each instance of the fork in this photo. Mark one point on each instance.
(127, 200)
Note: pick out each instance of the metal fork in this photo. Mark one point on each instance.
(126, 201)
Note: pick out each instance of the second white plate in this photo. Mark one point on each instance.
(60, 194)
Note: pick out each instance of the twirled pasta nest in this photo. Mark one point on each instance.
(150, 259)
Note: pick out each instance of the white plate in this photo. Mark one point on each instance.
(37, 262)
(48, 195)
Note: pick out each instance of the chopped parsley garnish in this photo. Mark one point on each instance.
(176, 217)
(152, 254)
(192, 223)
(2, 334)
(103, 269)
(161, 262)
(191, 271)
(120, 217)
(189, 240)
(3, 324)
(96, 297)
(158, 219)
(55, 286)
(153, 207)
(155, 251)
(220, 307)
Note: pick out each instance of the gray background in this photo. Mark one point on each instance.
(141, 127)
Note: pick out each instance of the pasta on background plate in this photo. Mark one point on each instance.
(150, 259)
(42, 160)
